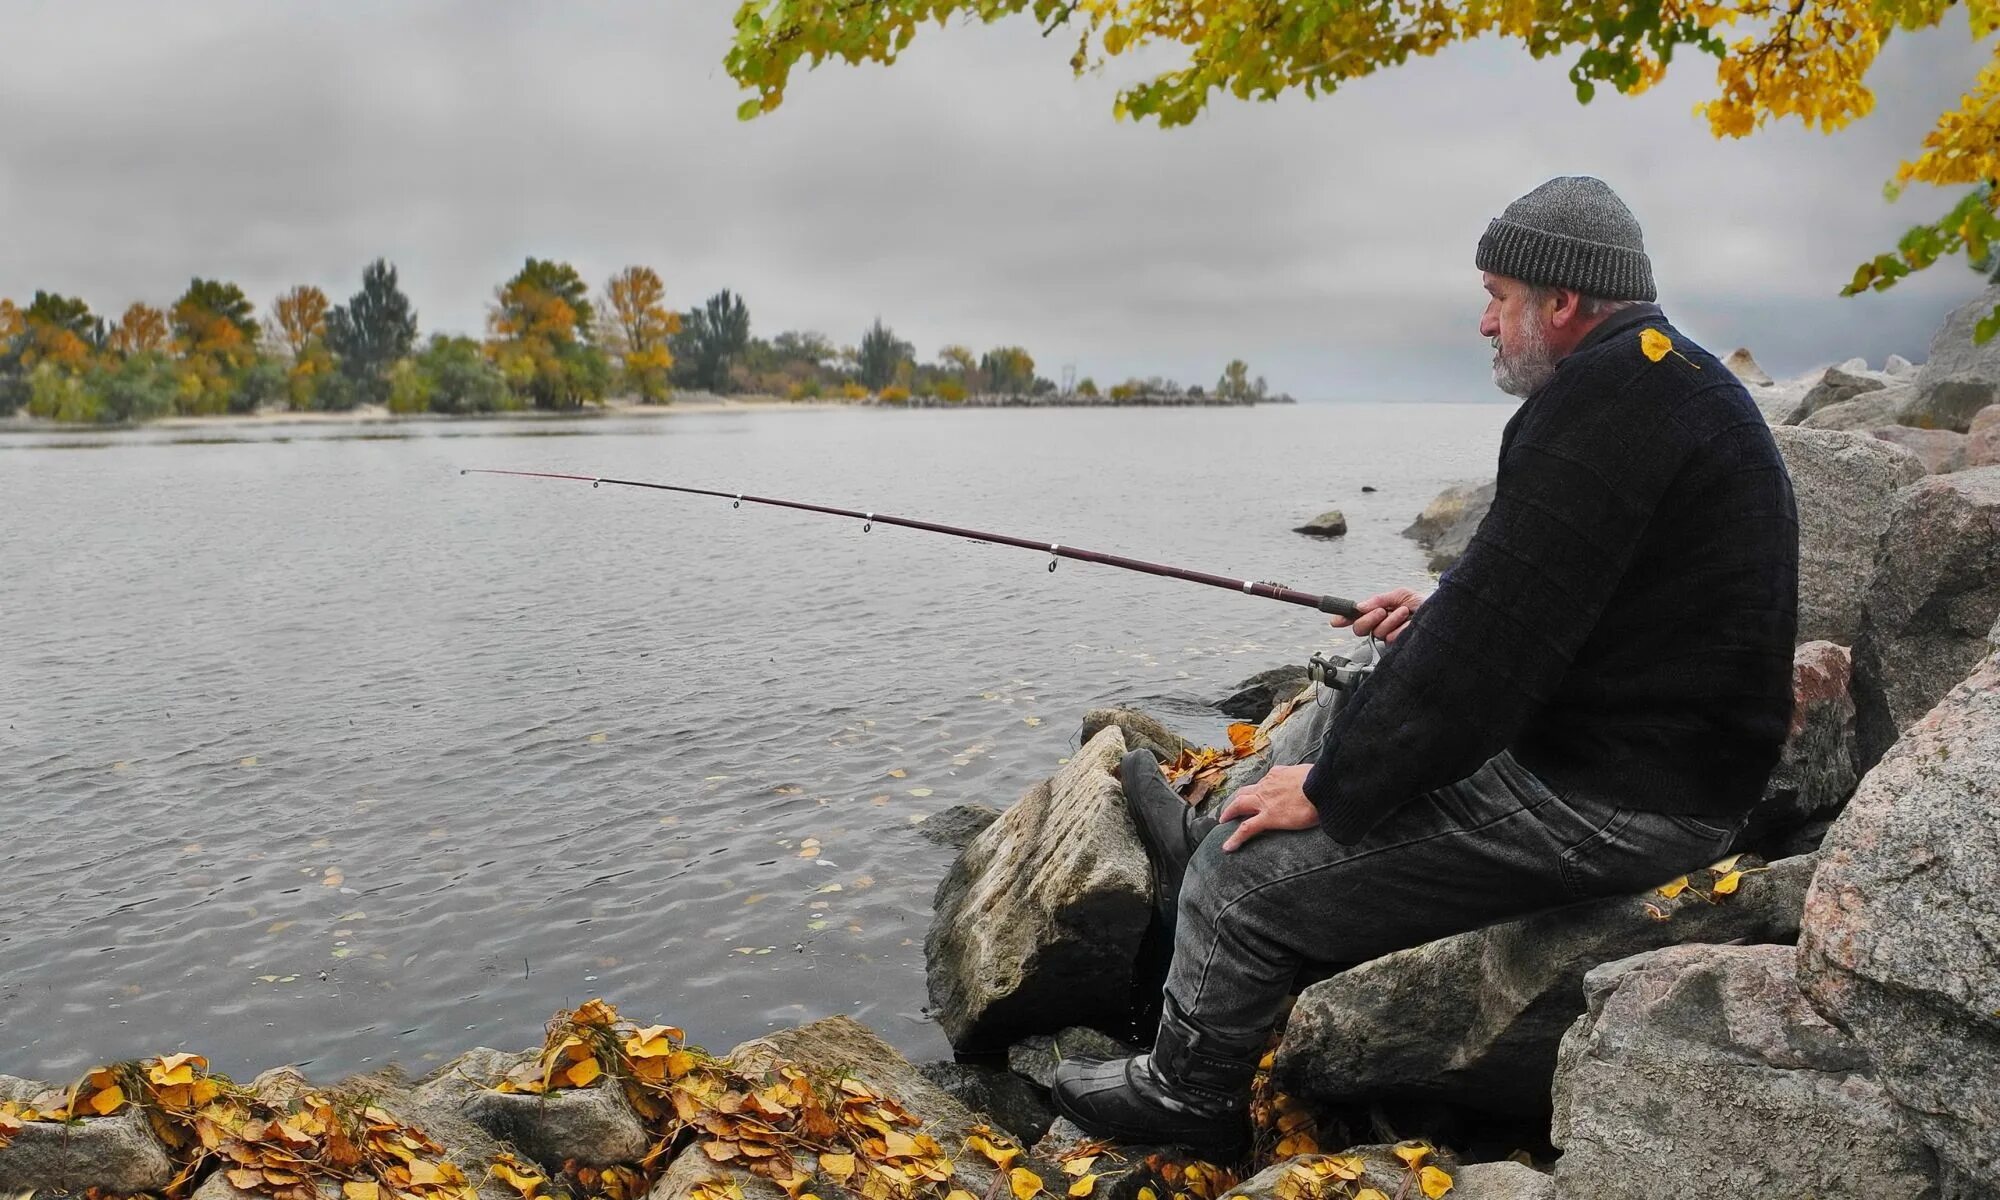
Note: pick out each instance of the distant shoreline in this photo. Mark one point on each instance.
(705, 403)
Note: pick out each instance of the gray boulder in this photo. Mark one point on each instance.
(1845, 484)
(1475, 1019)
(958, 825)
(1254, 698)
(1942, 450)
(1742, 365)
(1982, 438)
(1035, 1058)
(1008, 1102)
(1900, 944)
(1898, 367)
(1331, 523)
(1701, 1070)
(1815, 771)
(1931, 606)
(1450, 507)
(1141, 731)
(466, 1144)
(593, 1125)
(1870, 410)
(117, 1154)
(1838, 386)
(1960, 377)
(1452, 543)
(1038, 923)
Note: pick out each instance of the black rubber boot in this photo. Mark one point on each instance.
(1167, 825)
(1193, 1090)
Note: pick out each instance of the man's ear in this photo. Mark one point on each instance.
(1568, 309)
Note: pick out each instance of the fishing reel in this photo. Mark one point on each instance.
(1345, 669)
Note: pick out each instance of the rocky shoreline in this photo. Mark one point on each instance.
(1816, 1015)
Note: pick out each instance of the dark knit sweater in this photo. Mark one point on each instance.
(1623, 619)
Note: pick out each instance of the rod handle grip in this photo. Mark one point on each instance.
(1339, 607)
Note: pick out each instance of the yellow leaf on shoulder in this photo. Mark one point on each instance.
(1435, 1182)
(1655, 345)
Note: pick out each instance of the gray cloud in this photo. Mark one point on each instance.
(974, 192)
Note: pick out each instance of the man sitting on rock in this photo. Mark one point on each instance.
(1588, 704)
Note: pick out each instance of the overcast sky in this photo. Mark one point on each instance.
(975, 192)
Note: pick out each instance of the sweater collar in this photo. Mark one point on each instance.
(1619, 322)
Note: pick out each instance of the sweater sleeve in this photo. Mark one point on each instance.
(1576, 487)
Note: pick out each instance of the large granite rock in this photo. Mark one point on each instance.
(1900, 944)
(117, 1155)
(842, 1048)
(1815, 771)
(1960, 378)
(1942, 450)
(1475, 1019)
(1982, 438)
(1142, 732)
(1450, 506)
(1701, 1070)
(594, 1126)
(1254, 698)
(1845, 484)
(1038, 923)
(1839, 386)
(1869, 410)
(1929, 616)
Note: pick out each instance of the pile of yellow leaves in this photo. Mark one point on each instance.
(1196, 773)
(1721, 879)
(1340, 1175)
(284, 1153)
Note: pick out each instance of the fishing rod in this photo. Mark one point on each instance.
(1270, 591)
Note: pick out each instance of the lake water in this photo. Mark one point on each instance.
(314, 750)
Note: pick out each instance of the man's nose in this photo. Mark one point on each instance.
(1489, 324)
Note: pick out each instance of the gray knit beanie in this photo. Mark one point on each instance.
(1571, 232)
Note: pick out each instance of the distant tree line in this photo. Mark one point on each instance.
(549, 345)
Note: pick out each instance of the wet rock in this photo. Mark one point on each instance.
(1900, 944)
(1038, 923)
(594, 1125)
(1331, 523)
(1450, 507)
(1871, 410)
(1742, 365)
(1141, 732)
(1701, 1070)
(958, 825)
(1838, 386)
(1815, 771)
(1475, 1019)
(1254, 698)
(1845, 484)
(1036, 1057)
(116, 1154)
(1930, 612)
(1369, 488)
(1960, 377)
(1982, 438)
(1941, 450)
(1008, 1102)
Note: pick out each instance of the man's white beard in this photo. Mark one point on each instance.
(1529, 366)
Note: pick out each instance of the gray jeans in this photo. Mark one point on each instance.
(1496, 845)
